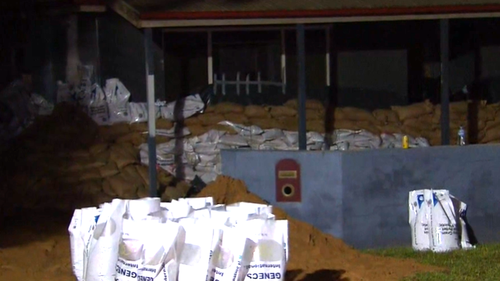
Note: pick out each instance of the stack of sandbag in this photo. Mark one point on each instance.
(189, 239)
(491, 131)
(65, 160)
(351, 118)
(416, 119)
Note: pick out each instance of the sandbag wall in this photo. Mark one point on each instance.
(65, 160)
(417, 120)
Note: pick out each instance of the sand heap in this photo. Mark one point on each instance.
(315, 255)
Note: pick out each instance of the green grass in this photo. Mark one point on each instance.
(480, 264)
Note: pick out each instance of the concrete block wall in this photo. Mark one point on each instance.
(362, 196)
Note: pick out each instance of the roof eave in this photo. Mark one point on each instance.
(352, 12)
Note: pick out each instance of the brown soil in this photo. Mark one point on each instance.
(315, 255)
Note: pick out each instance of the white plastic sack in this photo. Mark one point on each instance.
(98, 107)
(80, 230)
(139, 112)
(41, 105)
(270, 256)
(192, 105)
(63, 93)
(434, 221)
(272, 134)
(243, 130)
(117, 97)
(102, 249)
(232, 254)
(81, 92)
(195, 255)
(233, 140)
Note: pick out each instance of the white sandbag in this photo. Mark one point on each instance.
(117, 97)
(146, 242)
(195, 256)
(63, 93)
(232, 254)
(209, 159)
(419, 219)
(243, 130)
(437, 214)
(80, 231)
(131, 251)
(192, 105)
(271, 254)
(161, 246)
(98, 107)
(81, 91)
(104, 245)
(444, 226)
(138, 112)
(255, 141)
(315, 146)
(388, 140)
(212, 136)
(461, 211)
(277, 144)
(233, 140)
(206, 148)
(198, 203)
(291, 137)
(272, 134)
(421, 142)
(250, 208)
(314, 137)
(41, 105)
(210, 176)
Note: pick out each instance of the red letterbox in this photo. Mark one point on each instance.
(288, 181)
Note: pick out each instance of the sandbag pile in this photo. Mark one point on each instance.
(424, 119)
(184, 240)
(199, 156)
(66, 160)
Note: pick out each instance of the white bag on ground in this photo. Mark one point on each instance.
(98, 107)
(461, 211)
(117, 96)
(233, 253)
(192, 105)
(419, 216)
(63, 93)
(270, 256)
(80, 231)
(41, 105)
(437, 215)
(195, 256)
(103, 250)
(159, 253)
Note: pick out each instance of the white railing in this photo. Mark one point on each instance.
(245, 83)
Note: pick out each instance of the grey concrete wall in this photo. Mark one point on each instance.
(362, 196)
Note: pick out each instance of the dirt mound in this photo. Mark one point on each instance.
(315, 255)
